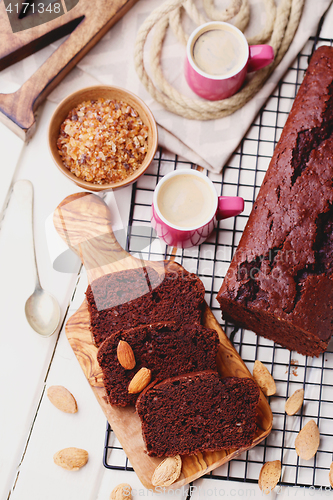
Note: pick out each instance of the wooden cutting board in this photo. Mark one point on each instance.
(85, 223)
(86, 23)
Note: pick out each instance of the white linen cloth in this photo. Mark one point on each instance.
(206, 143)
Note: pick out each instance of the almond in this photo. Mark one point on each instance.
(269, 476)
(122, 491)
(264, 379)
(125, 355)
(307, 441)
(71, 458)
(167, 472)
(294, 403)
(330, 475)
(62, 399)
(140, 380)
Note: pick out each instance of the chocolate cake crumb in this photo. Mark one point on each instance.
(198, 412)
(166, 349)
(280, 281)
(134, 297)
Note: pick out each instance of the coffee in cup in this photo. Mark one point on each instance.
(186, 207)
(186, 201)
(218, 59)
(219, 52)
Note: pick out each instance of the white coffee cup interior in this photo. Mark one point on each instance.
(206, 214)
(211, 27)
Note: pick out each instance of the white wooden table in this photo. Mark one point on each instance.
(31, 428)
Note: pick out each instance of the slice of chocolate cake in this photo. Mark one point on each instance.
(198, 412)
(134, 297)
(165, 348)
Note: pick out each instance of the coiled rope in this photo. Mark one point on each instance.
(280, 28)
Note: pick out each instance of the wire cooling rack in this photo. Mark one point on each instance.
(243, 176)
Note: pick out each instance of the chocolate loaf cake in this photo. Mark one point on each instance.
(130, 298)
(165, 348)
(198, 412)
(280, 281)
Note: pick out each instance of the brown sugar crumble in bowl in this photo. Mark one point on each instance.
(103, 141)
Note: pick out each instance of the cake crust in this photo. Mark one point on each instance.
(279, 283)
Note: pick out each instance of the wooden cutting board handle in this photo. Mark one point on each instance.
(84, 222)
(17, 109)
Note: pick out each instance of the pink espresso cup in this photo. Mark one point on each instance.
(220, 86)
(220, 207)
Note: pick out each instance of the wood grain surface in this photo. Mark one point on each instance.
(87, 22)
(85, 223)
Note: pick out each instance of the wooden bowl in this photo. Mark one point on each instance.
(107, 92)
(84, 222)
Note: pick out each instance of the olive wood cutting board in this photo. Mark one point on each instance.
(84, 221)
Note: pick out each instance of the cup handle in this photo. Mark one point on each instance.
(229, 206)
(260, 56)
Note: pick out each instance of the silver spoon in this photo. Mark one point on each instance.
(41, 309)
